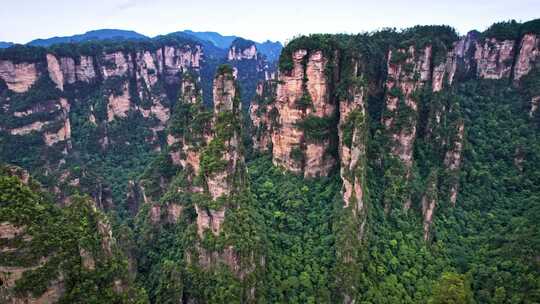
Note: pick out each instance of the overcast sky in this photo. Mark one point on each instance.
(24, 20)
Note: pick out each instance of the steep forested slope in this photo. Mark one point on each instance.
(384, 167)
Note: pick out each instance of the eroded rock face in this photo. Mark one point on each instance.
(262, 118)
(429, 202)
(147, 68)
(55, 72)
(290, 147)
(64, 133)
(178, 59)
(116, 64)
(222, 184)
(452, 161)
(457, 64)
(67, 70)
(35, 126)
(352, 149)
(241, 54)
(60, 116)
(19, 77)
(183, 150)
(119, 106)
(529, 51)
(494, 58)
(84, 71)
(287, 136)
(224, 92)
(208, 219)
(535, 102)
(401, 81)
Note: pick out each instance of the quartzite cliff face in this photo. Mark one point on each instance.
(98, 96)
(206, 146)
(303, 96)
(307, 89)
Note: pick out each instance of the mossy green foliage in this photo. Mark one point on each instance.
(485, 247)
(452, 288)
(225, 69)
(190, 122)
(23, 53)
(115, 151)
(297, 220)
(317, 129)
(511, 29)
(297, 154)
(317, 42)
(497, 200)
(52, 240)
(212, 158)
(356, 120)
(503, 30)
(305, 100)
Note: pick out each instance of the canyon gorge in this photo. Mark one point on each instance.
(380, 167)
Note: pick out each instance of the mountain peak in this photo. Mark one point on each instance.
(100, 34)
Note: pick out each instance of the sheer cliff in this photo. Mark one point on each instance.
(396, 166)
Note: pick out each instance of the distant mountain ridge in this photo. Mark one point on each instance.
(214, 42)
(271, 49)
(4, 44)
(102, 34)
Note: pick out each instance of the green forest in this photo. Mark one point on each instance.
(116, 236)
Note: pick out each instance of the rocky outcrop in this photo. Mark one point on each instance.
(263, 114)
(237, 53)
(116, 64)
(211, 220)
(19, 77)
(452, 160)
(35, 126)
(64, 132)
(221, 180)
(527, 58)
(55, 72)
(148, 68)
(429, 202)
(352, 150)
(54, 130)
(179, 59)
(224, 145)
(535, 102)
(67, 70)
(408, 71)
(186, 141)
(457, 63)
(119, 106)
(494, 58)
(302, 94)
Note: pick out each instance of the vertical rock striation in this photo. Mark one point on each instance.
(263, 114)
(306, 111)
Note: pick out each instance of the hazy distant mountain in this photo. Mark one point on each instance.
(222, 42)
(102, 34)
(214, 43)
(4, 44)
(269, 48)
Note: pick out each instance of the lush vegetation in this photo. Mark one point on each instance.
(69, 243)
(288, 235)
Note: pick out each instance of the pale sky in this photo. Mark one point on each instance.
(25, 20)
